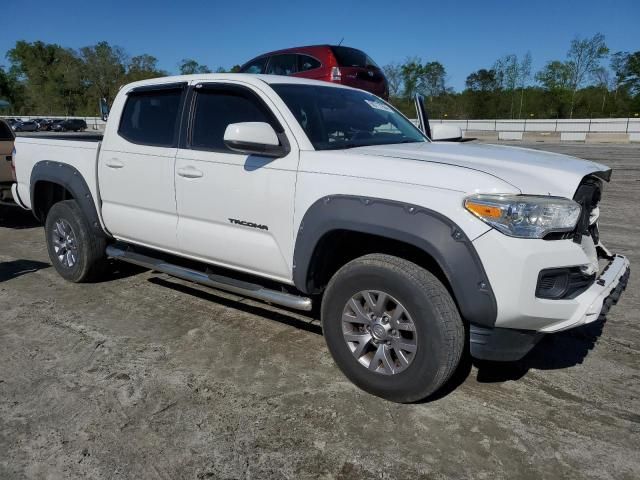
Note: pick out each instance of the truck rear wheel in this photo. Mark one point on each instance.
(392, 327)
(76, 252)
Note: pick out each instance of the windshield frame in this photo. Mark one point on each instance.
(275, 87)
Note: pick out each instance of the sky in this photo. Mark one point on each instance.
(463, 35)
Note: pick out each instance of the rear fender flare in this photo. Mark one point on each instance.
(71, 179)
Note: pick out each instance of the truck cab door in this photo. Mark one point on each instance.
(234, 209)
(136, 166)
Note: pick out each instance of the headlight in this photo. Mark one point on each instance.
(525, 216)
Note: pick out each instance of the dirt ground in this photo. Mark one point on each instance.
(144, 376)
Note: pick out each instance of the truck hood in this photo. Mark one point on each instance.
(533, 172)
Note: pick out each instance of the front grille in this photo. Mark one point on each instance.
(588, 195)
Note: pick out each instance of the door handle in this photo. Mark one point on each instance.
(114, 163)
(190, 172)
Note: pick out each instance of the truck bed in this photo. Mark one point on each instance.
(76, 150)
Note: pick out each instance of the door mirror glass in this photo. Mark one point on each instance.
(104, 109)
(254, 138)
(441, 132)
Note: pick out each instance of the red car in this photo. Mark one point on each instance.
(337, 64)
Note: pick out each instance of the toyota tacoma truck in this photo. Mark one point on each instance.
(300, 193)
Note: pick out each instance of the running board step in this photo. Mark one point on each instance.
(220, 282)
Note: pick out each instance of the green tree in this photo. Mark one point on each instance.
(626, 67)
(143, 67)
(104, 70)
(411, 71)
(189, 66)
(583, 59)
(49, 75)
(393, 73)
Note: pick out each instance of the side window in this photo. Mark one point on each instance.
(257, 66)
(150, 117)
(216, 108)
(305, 62)
(285, 64)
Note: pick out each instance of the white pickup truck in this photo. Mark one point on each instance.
(297, 193)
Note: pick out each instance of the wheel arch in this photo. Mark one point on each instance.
(52, 182)
(416, 233)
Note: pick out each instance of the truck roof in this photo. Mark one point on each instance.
(251, 78)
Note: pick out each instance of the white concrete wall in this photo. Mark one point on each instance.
(595, 125)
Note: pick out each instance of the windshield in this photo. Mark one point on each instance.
(337, 118)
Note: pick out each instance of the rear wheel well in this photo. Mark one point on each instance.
(45, 195)
(339, 247)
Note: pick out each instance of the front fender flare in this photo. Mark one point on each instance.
(421, 227)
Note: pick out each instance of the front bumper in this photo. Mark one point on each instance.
(507, 344)
(513, 265)
(597, 300)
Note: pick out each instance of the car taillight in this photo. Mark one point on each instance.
(13, 165)
(336, 74)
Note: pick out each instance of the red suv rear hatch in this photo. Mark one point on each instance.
(358, 70)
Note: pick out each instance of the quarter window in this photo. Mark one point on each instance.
(151, 117)
(307, 63)
(218, 107)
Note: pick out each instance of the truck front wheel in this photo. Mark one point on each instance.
(76, 253)
(392, 327)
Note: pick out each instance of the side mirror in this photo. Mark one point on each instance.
(104, 109)
(445, 133)
(254, 138)
(423, 117)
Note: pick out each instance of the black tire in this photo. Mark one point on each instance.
(439, 330)
(90, 248)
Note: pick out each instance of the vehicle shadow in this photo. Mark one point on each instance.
(555, 351)
(16, 268)
(277, 316)
(118, 270)
(16, 217)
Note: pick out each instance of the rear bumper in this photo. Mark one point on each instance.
(506, 344)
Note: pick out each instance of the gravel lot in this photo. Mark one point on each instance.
(143, 376)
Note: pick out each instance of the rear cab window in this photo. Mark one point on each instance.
(150, 116)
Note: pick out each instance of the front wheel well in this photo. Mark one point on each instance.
(45, 195)
(338, 247)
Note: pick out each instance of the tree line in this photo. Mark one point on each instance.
(48, 79)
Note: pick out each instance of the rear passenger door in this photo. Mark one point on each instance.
(136, 167)
(234, 210)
